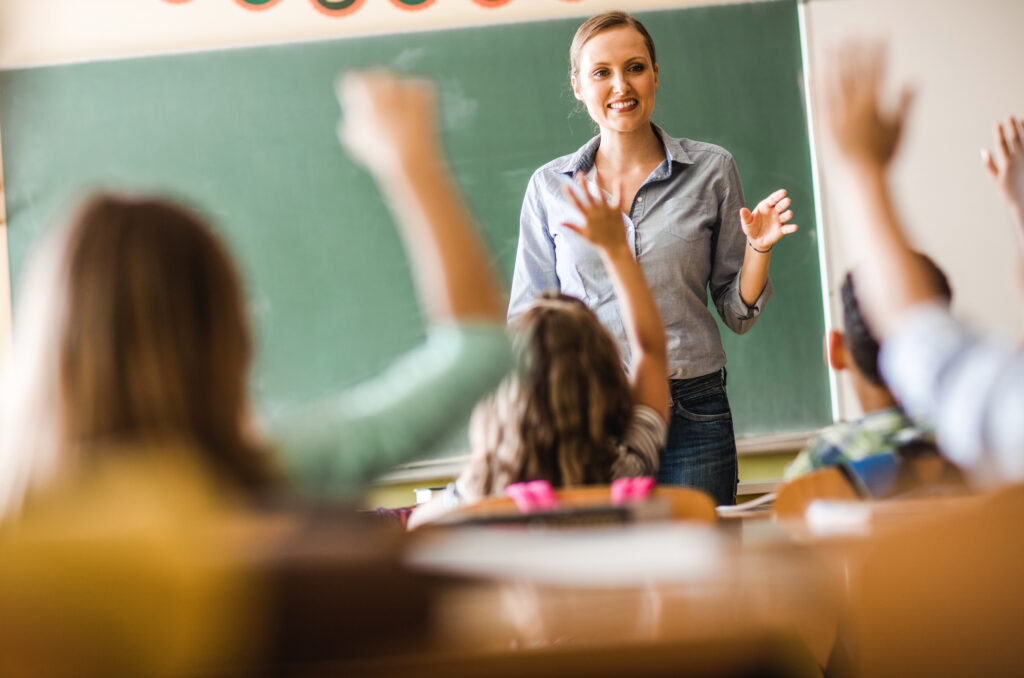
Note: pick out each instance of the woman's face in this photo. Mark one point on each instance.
(616, 80)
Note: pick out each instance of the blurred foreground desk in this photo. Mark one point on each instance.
(643, 599)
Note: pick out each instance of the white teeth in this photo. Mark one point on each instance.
(622, 104)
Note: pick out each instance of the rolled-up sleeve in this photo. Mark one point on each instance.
(535, 255)
(336, 446)
(727, 255)
(972, 390)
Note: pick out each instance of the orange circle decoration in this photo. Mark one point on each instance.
(257, 5)
(335, 8)
(490, 4)
(412, 5)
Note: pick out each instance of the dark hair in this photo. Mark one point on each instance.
(861, 343)
(603, 22)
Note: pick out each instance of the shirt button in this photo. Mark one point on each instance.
(640, 198)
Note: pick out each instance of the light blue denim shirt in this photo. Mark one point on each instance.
(970, 387)
(684, 230)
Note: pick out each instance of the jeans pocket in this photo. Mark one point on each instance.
(710, 405)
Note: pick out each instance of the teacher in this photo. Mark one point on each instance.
(687, 226)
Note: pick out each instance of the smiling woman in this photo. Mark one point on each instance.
(685, 223)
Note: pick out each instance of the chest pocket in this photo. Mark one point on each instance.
(580, 269)
(687, 218)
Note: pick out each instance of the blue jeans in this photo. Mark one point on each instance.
(701, 449)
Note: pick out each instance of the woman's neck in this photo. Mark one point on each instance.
(621, 152)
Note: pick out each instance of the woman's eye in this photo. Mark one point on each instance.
(636, 68)
(600, 73)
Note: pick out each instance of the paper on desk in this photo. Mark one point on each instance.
(827, 517)
(593, 557)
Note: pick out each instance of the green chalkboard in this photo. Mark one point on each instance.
(248, 137)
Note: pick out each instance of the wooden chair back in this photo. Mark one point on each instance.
(795, 496)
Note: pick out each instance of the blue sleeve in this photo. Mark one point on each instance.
(727, 254)
(535, 255)
(336, 446)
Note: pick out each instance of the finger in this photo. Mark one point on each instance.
(786, 216)
(989, 163)
(789, 228)
(575, 228)
(1011, 124)
(903, 109)
(746, 217)
(782, 205)
(774, 198)
(573, 198)
(1001, 144)
(581, 181)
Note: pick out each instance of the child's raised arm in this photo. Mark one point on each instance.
(604, 228)
(389, 126)
(1008, 172)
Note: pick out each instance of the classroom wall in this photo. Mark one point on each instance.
(60, 31)
(33, 32)
(965, 62)
(962, 56)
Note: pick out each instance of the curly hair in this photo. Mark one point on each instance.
(559, 417)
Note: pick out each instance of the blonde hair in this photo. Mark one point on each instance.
(605, 22)
(560, 416)
(132, 329)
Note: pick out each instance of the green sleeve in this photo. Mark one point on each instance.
(334, 447)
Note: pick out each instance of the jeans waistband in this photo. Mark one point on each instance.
(682, 387)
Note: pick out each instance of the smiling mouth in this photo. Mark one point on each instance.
(623, 105)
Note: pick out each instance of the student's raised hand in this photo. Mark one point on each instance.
(766, 225)
(865, 132)
(387, 120)
(1007, 166)
(602, 223)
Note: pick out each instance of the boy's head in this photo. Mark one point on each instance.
(860, 344)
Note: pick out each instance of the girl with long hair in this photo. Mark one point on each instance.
(570, 414)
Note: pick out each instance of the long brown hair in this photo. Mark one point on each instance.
(140, 336)
(561, 415)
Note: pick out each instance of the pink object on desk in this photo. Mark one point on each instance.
(629, 490)
(537, 495)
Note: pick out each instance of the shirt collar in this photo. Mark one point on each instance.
(886, 420)
(583, 159)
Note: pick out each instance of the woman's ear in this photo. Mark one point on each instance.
(575, 88)
(657, 80)
(837, 350)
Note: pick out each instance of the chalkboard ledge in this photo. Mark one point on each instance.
(450, 467)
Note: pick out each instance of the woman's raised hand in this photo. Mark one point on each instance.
(387, 120)
(769, 221)
(602, 225)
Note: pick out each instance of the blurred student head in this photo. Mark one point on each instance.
(857, 347)
(132, 331)
(558, 418)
